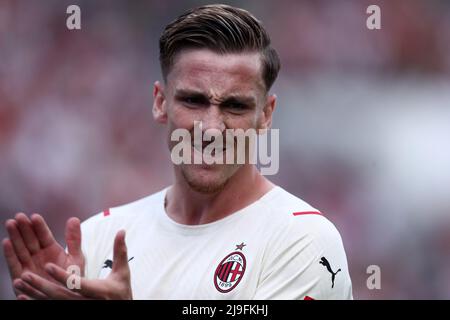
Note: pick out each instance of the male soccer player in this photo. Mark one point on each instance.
(221, 231)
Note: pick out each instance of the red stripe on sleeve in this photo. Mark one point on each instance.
(106, 213)
(306, 212)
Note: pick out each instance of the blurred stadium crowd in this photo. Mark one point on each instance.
(364, 119)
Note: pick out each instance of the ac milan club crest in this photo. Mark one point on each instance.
(230, 271)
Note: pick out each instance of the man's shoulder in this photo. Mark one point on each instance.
(299, 238)
(129, 211)
(280, 199)
(296, 218)
(284, 207)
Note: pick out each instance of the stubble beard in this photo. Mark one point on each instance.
(206, 187)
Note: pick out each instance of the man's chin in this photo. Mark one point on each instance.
(206, 188)
(205, 179)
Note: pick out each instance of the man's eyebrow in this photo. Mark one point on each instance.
(188, 92)
(250, 100)
(245, 99)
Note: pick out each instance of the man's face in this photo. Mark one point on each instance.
(222, 91)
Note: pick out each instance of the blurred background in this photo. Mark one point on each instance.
(364, 119)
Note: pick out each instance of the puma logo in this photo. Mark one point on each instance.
(108, 263)
(323, 261)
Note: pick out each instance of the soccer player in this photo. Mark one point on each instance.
(220, 231)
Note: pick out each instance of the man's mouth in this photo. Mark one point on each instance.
(202, 146)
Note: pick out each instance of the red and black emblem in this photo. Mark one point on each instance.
(229, 272)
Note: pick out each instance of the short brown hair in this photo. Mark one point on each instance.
(220, 28)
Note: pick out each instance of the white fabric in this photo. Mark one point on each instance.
(282, 251)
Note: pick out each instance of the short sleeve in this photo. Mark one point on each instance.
(307, 262)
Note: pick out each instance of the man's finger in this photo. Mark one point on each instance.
(14, 266)
(50, 289)
(18, 244)
(12, 261)
(94, 289)
(57, 273)
(73, 237)
(28, 290)
(120, 255)
(23, 297)
(43, 233)
(27, 232)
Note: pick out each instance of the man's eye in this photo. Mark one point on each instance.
(236, 106)
(193, 100)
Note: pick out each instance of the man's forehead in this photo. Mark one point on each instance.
(203, 68)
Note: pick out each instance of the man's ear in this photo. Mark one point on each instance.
(159, 103)
(266, 116)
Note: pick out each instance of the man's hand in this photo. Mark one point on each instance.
(31, 246)
(116, 286)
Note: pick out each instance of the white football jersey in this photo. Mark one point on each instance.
(278, 247)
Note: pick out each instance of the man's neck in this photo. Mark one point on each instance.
(187, 206)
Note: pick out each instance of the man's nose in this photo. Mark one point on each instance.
(213, 119)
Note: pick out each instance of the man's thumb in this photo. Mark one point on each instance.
(73, 237)
(120, 255)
